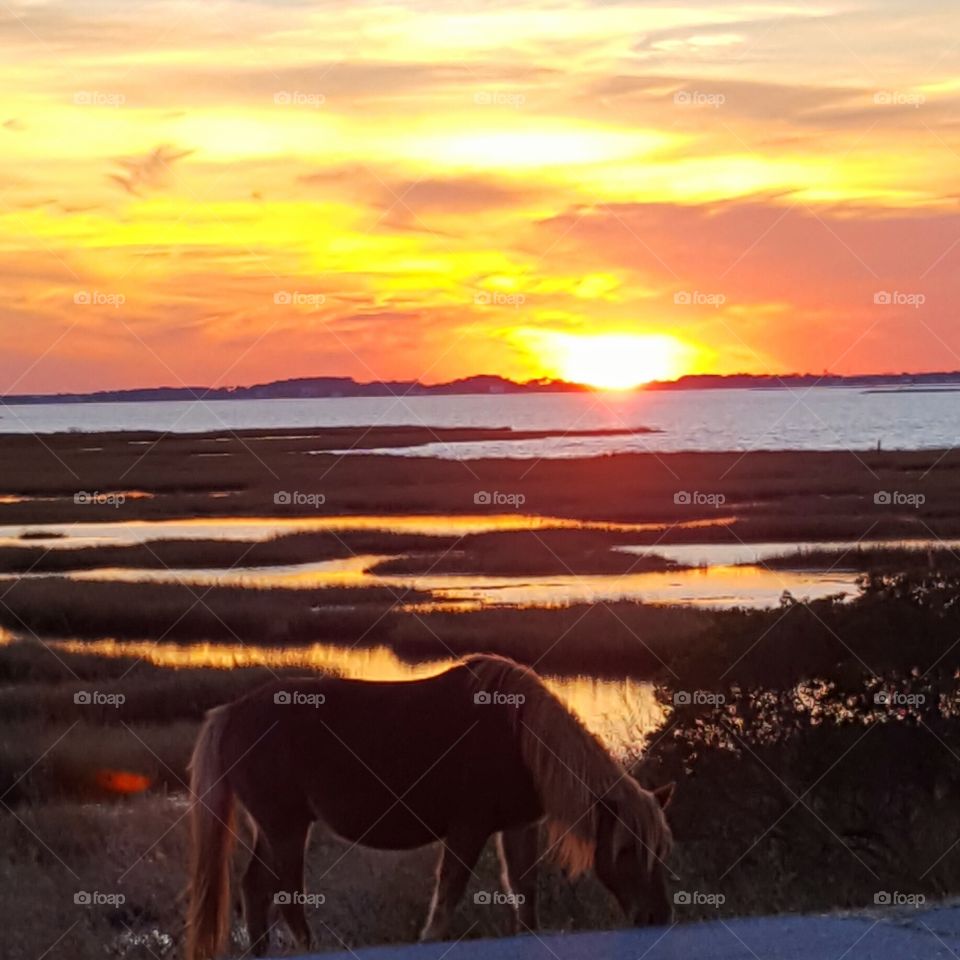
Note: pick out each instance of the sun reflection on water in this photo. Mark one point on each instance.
(619, 711)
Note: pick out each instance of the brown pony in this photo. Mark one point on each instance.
(481, 749)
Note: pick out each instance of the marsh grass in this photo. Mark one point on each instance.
(88, 761)
(138, 848)
(287, 549)
(869, 559)
(878, 808)
(68, 720)
(774, 495)
(529, 553)
(55, 850)
(543, 551)
(835, 851)
(611, 638)
(61, 607)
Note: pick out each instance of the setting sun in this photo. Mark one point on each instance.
(616, 361)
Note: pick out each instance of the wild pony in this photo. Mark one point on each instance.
(484, 748)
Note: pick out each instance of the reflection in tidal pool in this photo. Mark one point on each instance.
(620, 711)
(707, 587)
(263, 528)
(729, 554)
(721, 574)
(724, 586)
(9, 498)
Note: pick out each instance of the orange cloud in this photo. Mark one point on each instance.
(414, 190)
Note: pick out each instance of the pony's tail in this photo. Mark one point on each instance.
(212, 835)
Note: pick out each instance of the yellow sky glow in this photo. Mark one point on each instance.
(616, 361)
(609, 193)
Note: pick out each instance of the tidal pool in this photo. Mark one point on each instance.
(126, 532)
(721, 586)
(619, 710)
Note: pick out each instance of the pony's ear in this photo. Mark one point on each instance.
(664, 794)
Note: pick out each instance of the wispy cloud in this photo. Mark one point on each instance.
(151, 171)
(421, 174)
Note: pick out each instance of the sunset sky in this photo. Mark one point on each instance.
(235, 191)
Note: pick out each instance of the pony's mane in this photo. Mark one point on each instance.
(572, 770)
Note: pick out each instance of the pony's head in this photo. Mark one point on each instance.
(633, 843)
(597, 815)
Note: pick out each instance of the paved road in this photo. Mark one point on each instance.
(932, 933)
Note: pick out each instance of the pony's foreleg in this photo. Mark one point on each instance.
(288, 857)
(519, 857)
(458, 856)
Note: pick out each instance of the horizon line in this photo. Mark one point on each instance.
(543, 384)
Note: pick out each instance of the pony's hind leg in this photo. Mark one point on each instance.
(458, 856)
(288, 856)
(258, 886)
(519, 851)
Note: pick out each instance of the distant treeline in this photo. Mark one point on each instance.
(305, 388)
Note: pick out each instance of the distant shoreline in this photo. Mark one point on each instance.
(332, 388)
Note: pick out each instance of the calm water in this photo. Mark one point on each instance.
(818, 418)
(618, 710)
(706, 420)
(721, 575)
(68, 535)
(720, 586)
